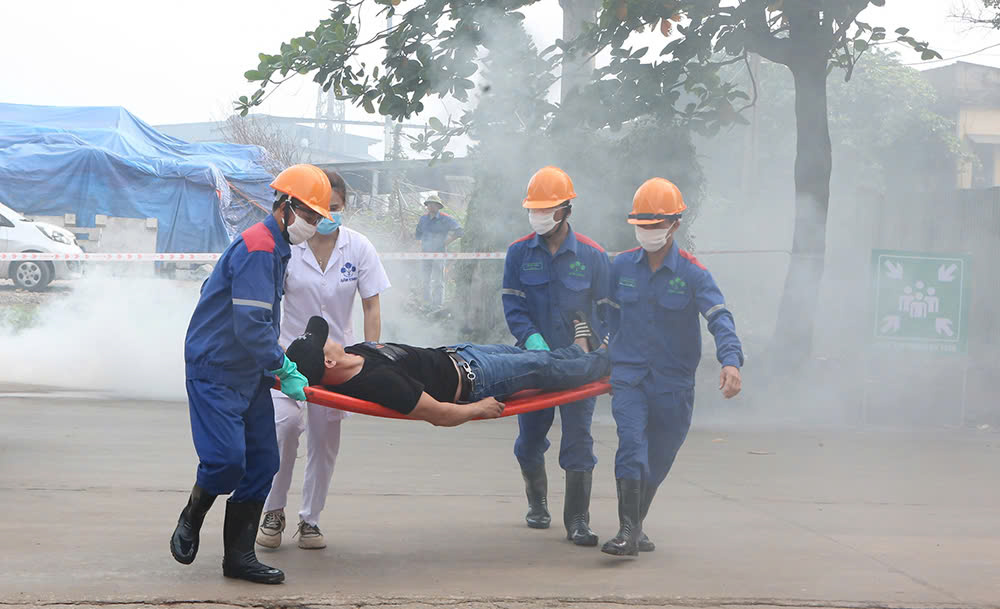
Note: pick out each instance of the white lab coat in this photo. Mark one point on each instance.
(354, 268)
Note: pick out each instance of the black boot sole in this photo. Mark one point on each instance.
(647, 547)
(184, 560)
(614, 551)
(534, 524)
(257, 579)
(587, 541)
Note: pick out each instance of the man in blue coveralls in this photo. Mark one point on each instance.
(435, 231)
(232, 355)
(659, 291)
(552, 277)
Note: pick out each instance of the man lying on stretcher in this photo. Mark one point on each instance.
(445, 386)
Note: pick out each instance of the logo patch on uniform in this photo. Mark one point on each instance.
(677, 286)
(626, 282)
(348, 272)
(531, 266)
(577, 269)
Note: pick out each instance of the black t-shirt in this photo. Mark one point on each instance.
(394, 375)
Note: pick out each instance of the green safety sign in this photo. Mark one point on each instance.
(921, 300)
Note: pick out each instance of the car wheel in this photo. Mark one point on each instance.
(31, 275)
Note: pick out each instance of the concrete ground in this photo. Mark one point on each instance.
(423, 517)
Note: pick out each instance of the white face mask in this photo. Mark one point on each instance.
(652, 239)
(299, 230)
(542, 221)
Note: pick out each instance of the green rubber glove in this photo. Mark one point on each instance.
(535, 342)
(293, 384)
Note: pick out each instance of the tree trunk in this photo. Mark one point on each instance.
(813, 165)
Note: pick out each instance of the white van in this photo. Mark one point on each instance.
(19, 234)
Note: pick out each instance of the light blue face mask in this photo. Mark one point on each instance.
(325, 227)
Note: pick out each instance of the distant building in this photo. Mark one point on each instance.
(316, 144)
(969, 94)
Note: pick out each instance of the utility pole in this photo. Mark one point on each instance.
(331, 111)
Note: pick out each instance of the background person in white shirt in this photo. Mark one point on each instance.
(324, 274)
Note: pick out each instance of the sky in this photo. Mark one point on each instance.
(184, 61)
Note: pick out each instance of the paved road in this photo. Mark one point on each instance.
(419, 517)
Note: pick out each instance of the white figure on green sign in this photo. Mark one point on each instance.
(933, 302)
(918, 308)
(906, 299)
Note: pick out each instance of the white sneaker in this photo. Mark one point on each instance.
(269, 534)
(310, 537)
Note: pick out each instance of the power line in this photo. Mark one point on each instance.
(922, 63)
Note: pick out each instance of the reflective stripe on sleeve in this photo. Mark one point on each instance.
(714, 310)
(260, 304)
(513, 292)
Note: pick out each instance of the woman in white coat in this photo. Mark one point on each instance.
(324, 274)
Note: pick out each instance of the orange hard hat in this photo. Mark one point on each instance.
(549, 187)
(308, 184)
(656, 200)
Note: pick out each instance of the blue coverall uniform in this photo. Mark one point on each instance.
(433, 231)
(540, 294)
(655, 350)
(231, 343)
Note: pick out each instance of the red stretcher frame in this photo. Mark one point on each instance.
(519, 403)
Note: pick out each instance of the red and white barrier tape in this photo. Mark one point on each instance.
(209, 257)
(444, 256)
(112, 257)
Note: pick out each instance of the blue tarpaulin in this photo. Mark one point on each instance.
(103, 160)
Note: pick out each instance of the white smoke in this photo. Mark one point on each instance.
(120, 336)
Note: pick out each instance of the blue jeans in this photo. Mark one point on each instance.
(502, 370)
(652, 426)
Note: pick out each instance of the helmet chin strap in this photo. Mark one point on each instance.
(284, 218)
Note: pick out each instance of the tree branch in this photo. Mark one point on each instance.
(753, 81)
(761, 41)
(728, 62)
(767, 46)
(849, 20)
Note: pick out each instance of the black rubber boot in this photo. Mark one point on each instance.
(576, 509)
(645, 544)
(239, 534)
(184, 541)
(536, 487)
(625, 543)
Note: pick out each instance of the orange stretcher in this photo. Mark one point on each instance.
(519, 403)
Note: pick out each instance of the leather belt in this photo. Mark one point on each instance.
(466, 377)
